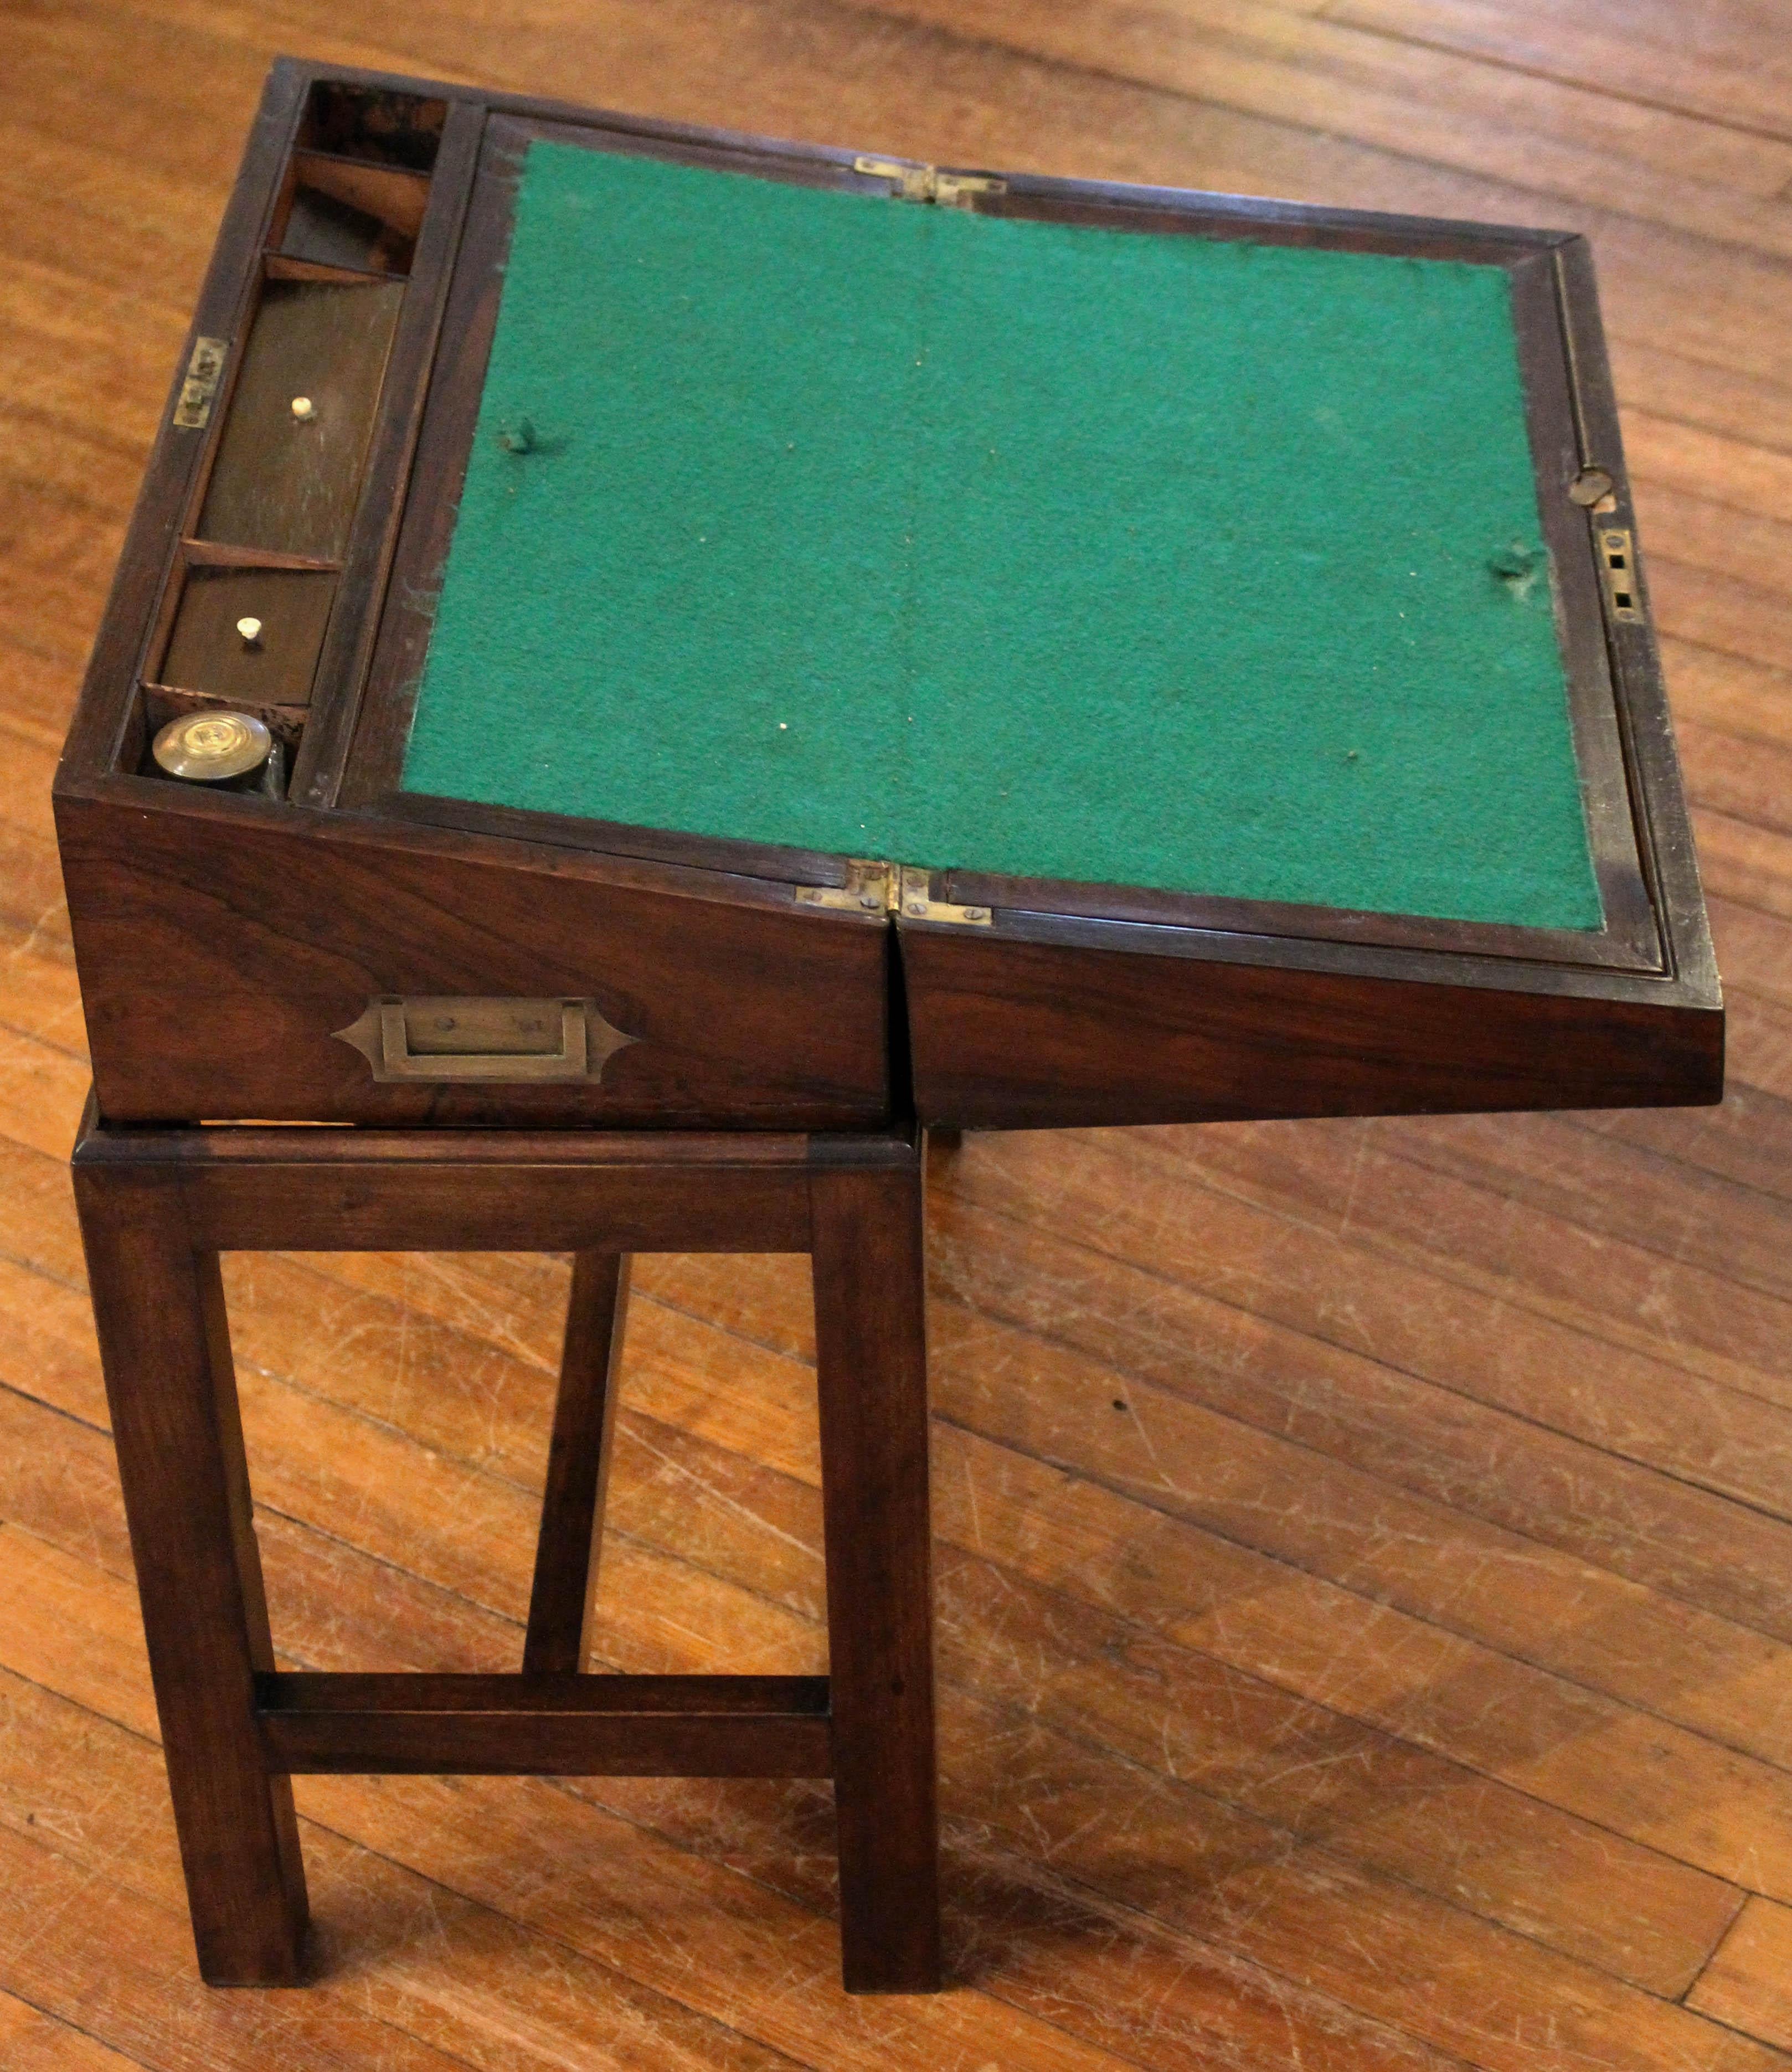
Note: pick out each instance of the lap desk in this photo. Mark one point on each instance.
(758, 635)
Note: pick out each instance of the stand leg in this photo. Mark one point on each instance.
(871, 1343)
(578, 1467)
(165, 1346)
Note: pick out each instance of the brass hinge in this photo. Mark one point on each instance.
(870, 888)
(916, 903)
(204, 370)
(928, 182)
(873, 887)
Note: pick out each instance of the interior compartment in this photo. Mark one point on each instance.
(374, 123)
(207, 652)
(290, 460)
(350, 212)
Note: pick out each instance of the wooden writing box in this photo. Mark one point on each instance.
(1219, 619)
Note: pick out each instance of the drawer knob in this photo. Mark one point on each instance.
(453, 1038)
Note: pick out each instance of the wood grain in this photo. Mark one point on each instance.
(1398, 1680)
(741, 1010)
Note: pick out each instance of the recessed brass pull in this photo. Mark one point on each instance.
(451, 1038)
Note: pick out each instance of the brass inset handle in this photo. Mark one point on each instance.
(446, 1037)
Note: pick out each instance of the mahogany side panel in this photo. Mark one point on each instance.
(1011, 1034)
(223, 942)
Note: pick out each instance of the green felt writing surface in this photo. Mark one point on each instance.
(901, 531)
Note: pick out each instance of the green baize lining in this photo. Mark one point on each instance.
(899, 530)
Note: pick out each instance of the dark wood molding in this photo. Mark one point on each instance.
(544, 1725)
(107, 689)
(341, 666)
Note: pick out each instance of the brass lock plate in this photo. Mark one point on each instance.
(451, 1038)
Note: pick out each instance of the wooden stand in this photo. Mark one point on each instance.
(158, 1206)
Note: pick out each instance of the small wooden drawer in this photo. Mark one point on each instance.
(289, 462)
(207, 652)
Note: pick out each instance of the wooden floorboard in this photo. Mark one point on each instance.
(1744, 1983)
(1366, 1549)
(1675, 61)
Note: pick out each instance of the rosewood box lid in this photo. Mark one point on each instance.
(833, 634)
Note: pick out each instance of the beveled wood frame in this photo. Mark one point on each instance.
(1544, 290)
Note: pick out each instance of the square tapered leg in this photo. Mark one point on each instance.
(872, 1366)
(165, 1346)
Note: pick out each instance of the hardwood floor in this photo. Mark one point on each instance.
(1366, 1549)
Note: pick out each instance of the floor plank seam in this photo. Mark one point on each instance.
(769, 1347)
(1734, 1277)
(1605, 91)
(1647, 481)
(1422, 1258)
(1039, 1872)
(1388, 1249)
(1136, 1379)
(1616, 334)
(1089, 1475)
(1294, 1839)
(1294, 1568)
(1710, 1958)
(63, 2022)
(698, 1566)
